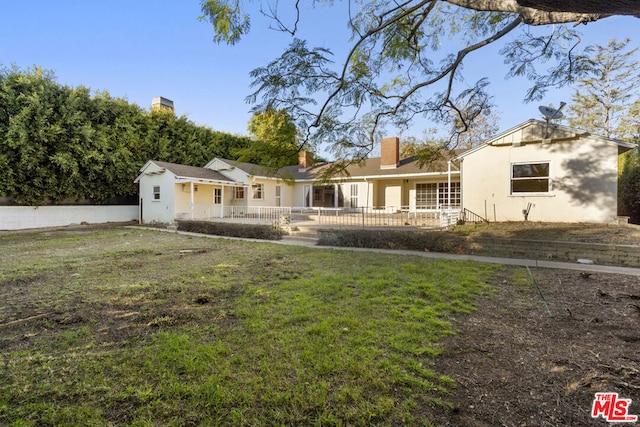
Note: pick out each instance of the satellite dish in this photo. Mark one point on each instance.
(551, 113)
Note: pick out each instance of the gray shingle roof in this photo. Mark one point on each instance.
(185, 171)
(371, 167)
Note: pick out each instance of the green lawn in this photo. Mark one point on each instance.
(155, 329)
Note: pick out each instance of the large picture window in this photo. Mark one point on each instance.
(435, 195)
(443, 194)
(427, 195)
(530, 178)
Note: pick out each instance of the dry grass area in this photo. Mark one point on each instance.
(591, 233)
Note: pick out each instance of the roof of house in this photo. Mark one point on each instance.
(371, 167)
(558, 132)
(367, 168)
(249, 168)
(184, 171)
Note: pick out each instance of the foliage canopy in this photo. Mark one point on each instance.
(61, 144)
(404, 62)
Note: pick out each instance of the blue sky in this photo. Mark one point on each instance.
(140, 49)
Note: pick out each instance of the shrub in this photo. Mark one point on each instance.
(432, 241)
(250, 231)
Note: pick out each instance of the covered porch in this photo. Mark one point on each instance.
(202, 199)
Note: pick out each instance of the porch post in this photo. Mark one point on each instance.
(449, 184)
(336, 195)
(222, 202)
(191, 198)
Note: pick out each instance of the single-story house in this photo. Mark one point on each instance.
(224, 188)
(543, 172)
(552, 173)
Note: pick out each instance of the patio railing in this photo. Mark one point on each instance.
(386, 216)
(382, 216)
(249, 214)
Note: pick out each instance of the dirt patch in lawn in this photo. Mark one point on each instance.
(625, 234)
(517, 363)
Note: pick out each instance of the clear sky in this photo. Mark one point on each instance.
(140, 49)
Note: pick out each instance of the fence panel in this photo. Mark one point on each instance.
(386, 216)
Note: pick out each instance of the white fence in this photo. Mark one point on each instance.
(386, 216)
(24, 217)
(249, 214)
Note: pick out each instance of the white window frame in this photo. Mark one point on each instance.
(257, 191)
(238, 193)
(540, 178)
(353, 195)
(432, 188)
(278, 195)
(156, 193)
(443, 194)
(217, 196)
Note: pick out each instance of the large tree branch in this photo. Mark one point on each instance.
(449, 71)
(543, 12)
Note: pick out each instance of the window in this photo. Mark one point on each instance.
(238, 192)
(156, 192)
(278, 195)
(257, 190)
(443, 194)
(353, 196)
(217, 196)
(427, 196)
(530, 178)
(435, 195)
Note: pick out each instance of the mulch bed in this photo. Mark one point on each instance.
(516, 363)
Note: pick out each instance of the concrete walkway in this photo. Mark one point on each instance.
(311, 243)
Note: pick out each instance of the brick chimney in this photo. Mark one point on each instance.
(389, 153)
(305, 160)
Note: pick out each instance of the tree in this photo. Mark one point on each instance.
(60, 144)
(274, 143)
(435, 147)
(629, 186)
(397, 69)
(604, 96)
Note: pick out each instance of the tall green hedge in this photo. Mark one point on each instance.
(60, 143)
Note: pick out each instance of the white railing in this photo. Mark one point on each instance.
(249, 214)
(263, 214)
(387, 216)
(379, 216)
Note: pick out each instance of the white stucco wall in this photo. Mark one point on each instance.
(583, 181)
(157, 210)
(24, 217)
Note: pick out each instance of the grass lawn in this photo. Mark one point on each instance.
(145, 328)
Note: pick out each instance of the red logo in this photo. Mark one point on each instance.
(612, 408)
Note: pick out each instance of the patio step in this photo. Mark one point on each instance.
(301, 239)
(304, 232)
